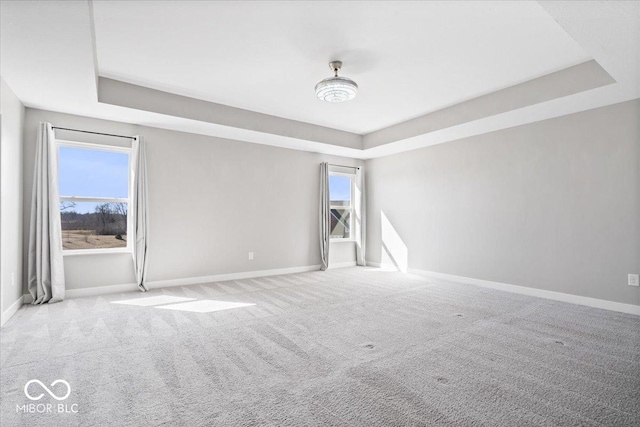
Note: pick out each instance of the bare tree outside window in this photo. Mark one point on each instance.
(105, 227)
(67, 205)
(93, 201)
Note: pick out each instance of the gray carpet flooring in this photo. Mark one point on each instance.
(347, 347)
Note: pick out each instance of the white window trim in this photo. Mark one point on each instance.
(101, 147)
(351, 207)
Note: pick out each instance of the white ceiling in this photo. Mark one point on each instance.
(270, 55)
(409, 58)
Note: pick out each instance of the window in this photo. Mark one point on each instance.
(95, 187)
(341, 187)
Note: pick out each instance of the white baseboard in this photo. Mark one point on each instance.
(9, 312)
(158, 284)
(90, 292)
(341, 265)
(541, 293)
(231, 276)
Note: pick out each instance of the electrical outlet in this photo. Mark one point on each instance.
(250, 255)
(634, 280)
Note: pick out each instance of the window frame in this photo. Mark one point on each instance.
(62, 198)
(351, 207)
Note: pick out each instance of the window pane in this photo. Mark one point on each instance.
(339, 190)
(93, 173)
(340, 221)
(93, 225)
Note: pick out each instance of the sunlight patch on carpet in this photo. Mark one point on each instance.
(205, 306)
(151, 301)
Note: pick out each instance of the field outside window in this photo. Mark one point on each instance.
(94, 197)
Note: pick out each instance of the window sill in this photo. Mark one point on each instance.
(341, 240)
(96, 252)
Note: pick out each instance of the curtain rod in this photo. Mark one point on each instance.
(343, 166)
(95, 133)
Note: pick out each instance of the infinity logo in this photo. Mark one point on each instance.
(52, 394)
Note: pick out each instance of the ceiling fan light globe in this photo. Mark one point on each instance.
(336, 89)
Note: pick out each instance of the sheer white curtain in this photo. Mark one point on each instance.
(140, 211)
(360, 218)
(325, 215)
(45, 263)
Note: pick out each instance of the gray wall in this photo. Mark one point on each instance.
(211, 202)
(12, 112)
(553, 205)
